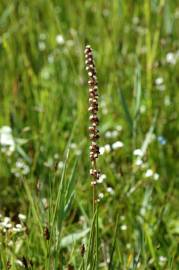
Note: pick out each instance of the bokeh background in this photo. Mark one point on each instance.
(44, 115)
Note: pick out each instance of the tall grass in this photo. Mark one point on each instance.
(44, 164)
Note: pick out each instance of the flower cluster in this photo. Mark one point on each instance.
(7, 141)
(93, 109)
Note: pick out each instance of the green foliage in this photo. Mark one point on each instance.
(44, 157)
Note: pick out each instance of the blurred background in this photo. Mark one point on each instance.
(44, 111)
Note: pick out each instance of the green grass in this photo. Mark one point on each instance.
(44, 99)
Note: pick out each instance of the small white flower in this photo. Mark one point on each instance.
(105, 149)
(149, 173)
(7, 140)
(114, 133)
(110, 190)
(156, 176)
(18, 226)
(138, 162)
(111, 134)
(60, 39)
(22, 217)
(60, 165)
(41, 45)
(108, 134)
(123, 227)
(56, 156)
(117, 145)
(171, 58)
(8, 226)
(128, 245)
(101, 195)
(138, 152)
(102, 150)
(16, 230)
(6, 220)
(162, 260)
(73, 145)
(21, 168)
(159, 81)
(102, 177)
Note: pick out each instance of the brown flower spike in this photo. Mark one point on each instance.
(93, 110)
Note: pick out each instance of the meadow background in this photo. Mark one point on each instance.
(45, 190)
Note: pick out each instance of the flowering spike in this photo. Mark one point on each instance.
(93, 109)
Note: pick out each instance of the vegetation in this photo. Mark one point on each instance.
(47, 216)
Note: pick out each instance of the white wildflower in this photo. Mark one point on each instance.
(22, 217)
(19, 226)
(41, 45)
(6, 223)
(6, 140)
(138, 152)
(102, 150)
(101, 195)
(102, 177)
(56, 156)
(149, 173)
(105, 149)
(159, 81)
(111, 134)
(21, 168)
(60, 39)
(138, 162)
(73, 146)
(6, 220)
(110, 190)
(156, 176)
(118, 127)
(123, 227)
(162, 260)
(171, 58)
(117, 145)
(128, 245)
(60, 165)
